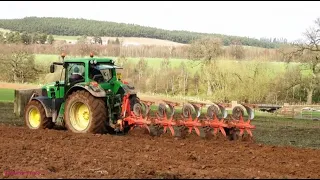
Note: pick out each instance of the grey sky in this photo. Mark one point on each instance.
(253, 19)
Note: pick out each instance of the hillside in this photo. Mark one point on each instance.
(80, 27)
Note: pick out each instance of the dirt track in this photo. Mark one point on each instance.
(61, 154)
(16, 86)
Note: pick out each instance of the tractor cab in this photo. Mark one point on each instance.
(79, 72)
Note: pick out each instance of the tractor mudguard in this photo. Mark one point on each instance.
(46, 103)
(95, 91)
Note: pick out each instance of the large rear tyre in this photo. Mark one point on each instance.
(85, 113)
(35, 116)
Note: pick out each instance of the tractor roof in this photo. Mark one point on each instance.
(107, 60)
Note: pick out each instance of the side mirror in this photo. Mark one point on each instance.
(51, 68)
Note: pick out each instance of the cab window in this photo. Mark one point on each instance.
(75, 72)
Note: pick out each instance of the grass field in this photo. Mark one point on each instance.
(287, 132)
(6, 95)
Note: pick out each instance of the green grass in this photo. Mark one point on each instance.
(287, 131)
(46, 59)
(6, 95)
(314, 113)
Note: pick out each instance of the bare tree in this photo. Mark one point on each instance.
(237, 50)
(165, 68)
(141, 70)
(307, 52)
(19, 65)
(184, 76)
(207, 50)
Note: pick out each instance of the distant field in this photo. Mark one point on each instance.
(193, 66)
(143, 41)
(127, 40)
(4, 30)
(56, 37)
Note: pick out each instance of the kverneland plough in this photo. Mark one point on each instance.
(215, 120)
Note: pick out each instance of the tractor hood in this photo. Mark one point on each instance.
(117, 87)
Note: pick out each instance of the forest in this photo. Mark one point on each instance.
(83, 27)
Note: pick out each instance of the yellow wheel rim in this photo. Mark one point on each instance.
(79, 116)
(34, 117)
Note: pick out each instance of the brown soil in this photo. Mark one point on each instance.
(62, 154)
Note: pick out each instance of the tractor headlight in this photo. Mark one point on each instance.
(91, 62)
(95, 61)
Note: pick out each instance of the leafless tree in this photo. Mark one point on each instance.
(307, 52)
(207, 50)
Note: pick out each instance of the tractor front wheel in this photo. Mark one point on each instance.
(35, 116)
(85, 113)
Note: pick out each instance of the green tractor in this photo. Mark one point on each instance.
(88, 100)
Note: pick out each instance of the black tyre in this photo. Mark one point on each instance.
(35, 116)
(85, 113)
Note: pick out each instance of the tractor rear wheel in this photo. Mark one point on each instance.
(85, 113)
(35, 116)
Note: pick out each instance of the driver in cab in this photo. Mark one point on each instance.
(93, 71)
(76, 76)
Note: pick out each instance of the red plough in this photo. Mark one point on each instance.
(164, 120)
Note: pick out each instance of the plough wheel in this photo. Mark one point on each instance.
(139, 109)
(212, 110)
(167, 109)
(237, 111)
(189, 109)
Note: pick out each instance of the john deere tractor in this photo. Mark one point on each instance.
(88, 100)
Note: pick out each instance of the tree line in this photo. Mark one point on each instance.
(25, 38)
(83, 27)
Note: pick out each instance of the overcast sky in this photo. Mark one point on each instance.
(254, 19)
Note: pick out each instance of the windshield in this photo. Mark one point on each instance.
(102, 71)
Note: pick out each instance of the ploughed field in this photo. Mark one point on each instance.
(281, 148)
(62, 154)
